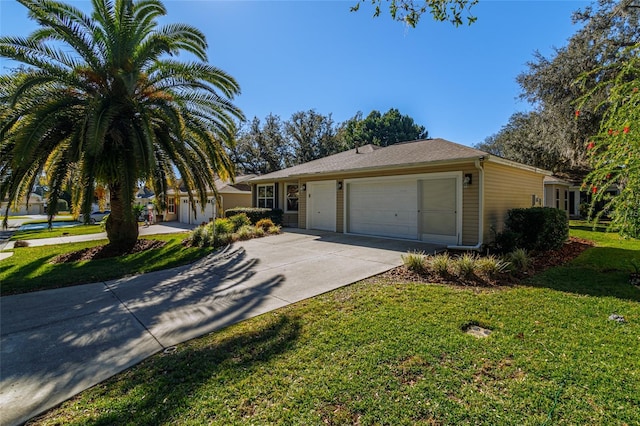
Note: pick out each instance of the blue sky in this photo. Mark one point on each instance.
(291, 56)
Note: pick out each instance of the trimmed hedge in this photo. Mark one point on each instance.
(256, 213)
(535, 229)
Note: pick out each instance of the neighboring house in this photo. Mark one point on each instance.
(236, 194)
(431, 190)
(561, 194)
(36, 205)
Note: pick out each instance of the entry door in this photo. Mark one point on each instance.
(185, 212)
(321, 207)
(439, 210)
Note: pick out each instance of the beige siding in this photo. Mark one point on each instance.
(230, 201)
(340, 209)
(506, 188)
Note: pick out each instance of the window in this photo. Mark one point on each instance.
(566, 200)
(557, 198)
(171, 205)
(292, 197)
(265, 196)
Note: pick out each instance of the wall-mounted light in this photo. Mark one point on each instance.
(339, 185)
(304, 186)
(468, 179)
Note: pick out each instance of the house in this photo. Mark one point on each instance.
(230, 194)
(36, 205)
(560, 194)
(431, 190)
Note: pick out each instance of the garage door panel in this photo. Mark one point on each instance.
(380, 208)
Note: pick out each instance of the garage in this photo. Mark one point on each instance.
(386, 208)
(418, 207)
(321, 202)
(187, 215)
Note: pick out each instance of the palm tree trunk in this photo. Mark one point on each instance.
(122, 225)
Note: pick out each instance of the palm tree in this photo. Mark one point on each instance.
(116, 111)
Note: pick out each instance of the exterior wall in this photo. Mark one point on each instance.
(470, 203)
(229, 201)
(506, 188)
(551, 200)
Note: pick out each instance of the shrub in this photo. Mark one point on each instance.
(223, 226)
(196, 236)
(519, 259)
(222, 239)
(21, 243)
(414, 261)
(239, 220)
(538, 228)
(245, 232)
(440, 264)
(506, 241)
(464, 265)
(258, 232)
(264, 224)
(275, 229)
(491, 265)
(255, 214)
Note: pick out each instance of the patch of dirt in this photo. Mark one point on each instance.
(106, 251)
(540, 262)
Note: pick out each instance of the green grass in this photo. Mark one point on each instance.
(56, 232)
(387, 352)
(29, 269)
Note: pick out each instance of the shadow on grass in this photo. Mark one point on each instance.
(598, 271)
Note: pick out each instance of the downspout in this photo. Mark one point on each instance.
(478, 164)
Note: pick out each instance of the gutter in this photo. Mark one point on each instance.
(478, 164)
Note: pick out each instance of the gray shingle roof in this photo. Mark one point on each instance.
(374, 157)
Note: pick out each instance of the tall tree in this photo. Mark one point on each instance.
(261, 148)
(100, 98)
(550, 86)
(410, 11)
(380, 129)
(312, 135)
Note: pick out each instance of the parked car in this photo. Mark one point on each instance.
(99, 216)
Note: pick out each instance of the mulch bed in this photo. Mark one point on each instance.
(540, 262)
(106, 251)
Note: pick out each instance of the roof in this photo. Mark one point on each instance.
(556, 180)
(224, 186)
(405, 154)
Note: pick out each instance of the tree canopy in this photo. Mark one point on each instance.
(456, 12)
(100, 100)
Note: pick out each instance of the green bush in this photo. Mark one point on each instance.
(239, 220)
(414, 261)
(491, 265)
(464, 266)
(223, 226)
(538, 228)
(275, 229)
(440, 264)
(245, 232)
(519, 259)
(255, 214)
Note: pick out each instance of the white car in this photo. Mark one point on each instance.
(98, 216)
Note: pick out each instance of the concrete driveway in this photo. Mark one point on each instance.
(56, 343)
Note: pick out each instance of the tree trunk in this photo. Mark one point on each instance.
(122, 225)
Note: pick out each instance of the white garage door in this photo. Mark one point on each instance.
(439, 219)
(387, 208)
(321, 205)
(187, 215)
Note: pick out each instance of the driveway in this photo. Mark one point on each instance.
(56, 343)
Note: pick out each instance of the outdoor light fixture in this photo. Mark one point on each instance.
(467, 179)
(304, 186)
(339, 185)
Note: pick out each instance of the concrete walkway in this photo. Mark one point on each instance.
(56, 343)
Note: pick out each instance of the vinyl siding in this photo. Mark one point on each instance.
(506, 188)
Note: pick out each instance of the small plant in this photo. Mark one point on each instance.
(239, 220)
(222, 239)
(246, 232)
(258, 232)
(196, 236)
(415, 261)
(440, 264)
(275, 229)
(223, 226)
(464, 265)
(491, 265)
(519, 259)
(264, 224)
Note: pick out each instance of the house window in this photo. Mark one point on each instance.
(292, 197)
(557, 198)
(171, 205)
(265, 196)
(566, 200)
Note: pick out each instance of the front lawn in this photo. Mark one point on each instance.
(388, 352)
(37, 234)
(30, 268)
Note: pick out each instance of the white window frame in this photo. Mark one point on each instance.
(265, 197)
(171, 205)
(286, 197)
